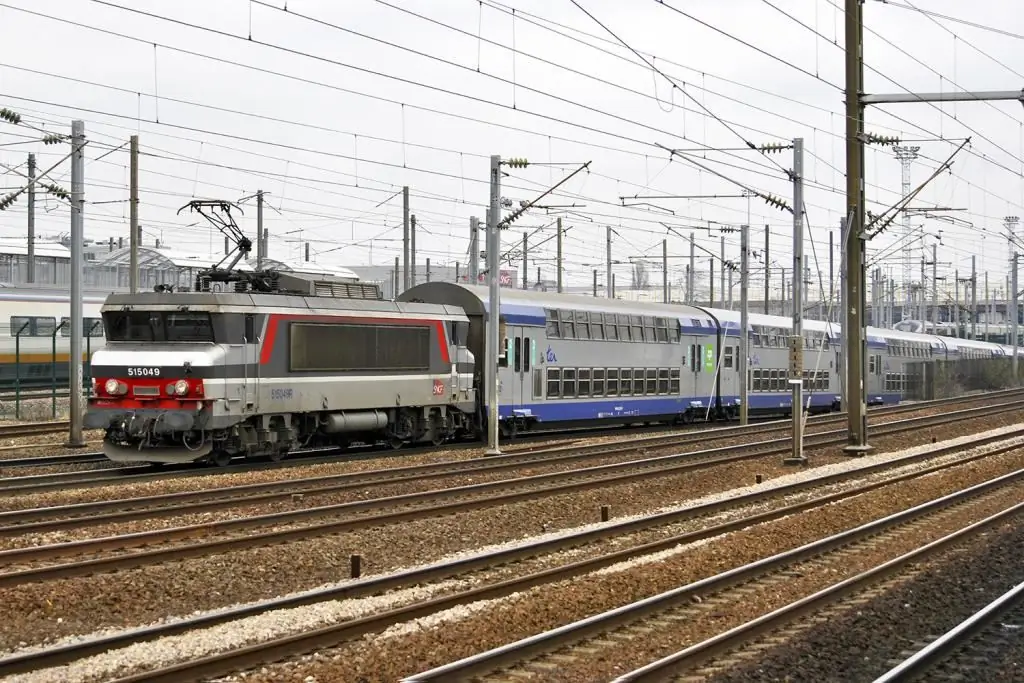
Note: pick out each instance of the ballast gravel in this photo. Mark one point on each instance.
(416, 646)
(862, 641)
(29, 613)
(283, 622)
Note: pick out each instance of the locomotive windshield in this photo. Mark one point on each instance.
(158, 326)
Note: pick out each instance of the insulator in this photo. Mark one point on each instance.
(10, 116)
(773, 147)
(54, 139)
(7, 201)
(56, 190)
(517, 162)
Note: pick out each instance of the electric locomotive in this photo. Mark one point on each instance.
(284, 361)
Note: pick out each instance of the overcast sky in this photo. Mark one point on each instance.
(332, 106)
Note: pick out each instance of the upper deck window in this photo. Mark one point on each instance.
(158, 326)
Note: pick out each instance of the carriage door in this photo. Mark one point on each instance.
(522, 361)
(251, 363)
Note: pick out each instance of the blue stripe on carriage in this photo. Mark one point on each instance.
(598, 409)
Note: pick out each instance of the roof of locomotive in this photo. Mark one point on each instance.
(265, 302)
(527, 307)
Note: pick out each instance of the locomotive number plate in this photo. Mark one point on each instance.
(143, 372)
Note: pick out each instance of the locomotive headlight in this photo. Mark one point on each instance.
(181, 387)
(111, 386)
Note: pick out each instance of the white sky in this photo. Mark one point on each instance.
(382, 98)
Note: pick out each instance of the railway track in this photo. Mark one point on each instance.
(234, 660)
(303, 457)
(104, 476)
(218, 536)
(607, 635)
(33, 429)
(967, 651)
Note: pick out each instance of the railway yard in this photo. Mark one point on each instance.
(687, 554)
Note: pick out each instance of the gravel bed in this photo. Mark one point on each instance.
(864, 641)
(169, 589)
(285, 622)
(147, 594)
(312, 499)
(422, 644)
(398, 459)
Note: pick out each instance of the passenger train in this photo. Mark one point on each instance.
(208, 376)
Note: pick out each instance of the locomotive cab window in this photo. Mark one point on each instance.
(158, 326)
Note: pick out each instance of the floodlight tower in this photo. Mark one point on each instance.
(906, 156)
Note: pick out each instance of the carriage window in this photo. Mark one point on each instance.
(551, 325)
(638, 382)
(728, 361)
(582, 325)
(527, 354)
(626, 382)
(675, 388)
(652, 382)
(755, 380)
(554, 382)
(636, 328)
(599, 382)
(583, 388)
(597, 325)
(517, 356)
(611, 330)
(568, 383)
(649, 335)
(613, 381)
(623, 323)
(663, 381)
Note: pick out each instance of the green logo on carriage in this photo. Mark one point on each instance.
(709, 358)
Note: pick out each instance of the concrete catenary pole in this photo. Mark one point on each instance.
(796, 341)
(412, 248)
(935, 289)
(721, 273)
(974, 298)
(767, 270)
(608, 263)
(665, 297)
(494, 311)
(854, 331)
(526, 259)
(558, 255)
(133, 209)
(30, 275)
(1014, 316)
(261, 252)
(474, 250)
(77, 248)
(691, 292)
(743, 362)
(406, 282)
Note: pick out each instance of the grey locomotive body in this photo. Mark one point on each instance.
(208, 376)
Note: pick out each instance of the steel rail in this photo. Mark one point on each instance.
(672, 464)
(575, 480)
(745, 633)
(33, 428)
(532, 646)
(173, 504)
(72, 652)
(126, 509)
(146, 472)
(946, 644)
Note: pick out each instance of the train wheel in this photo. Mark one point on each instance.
(220, 458)
(396, 443)
(277, 455)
